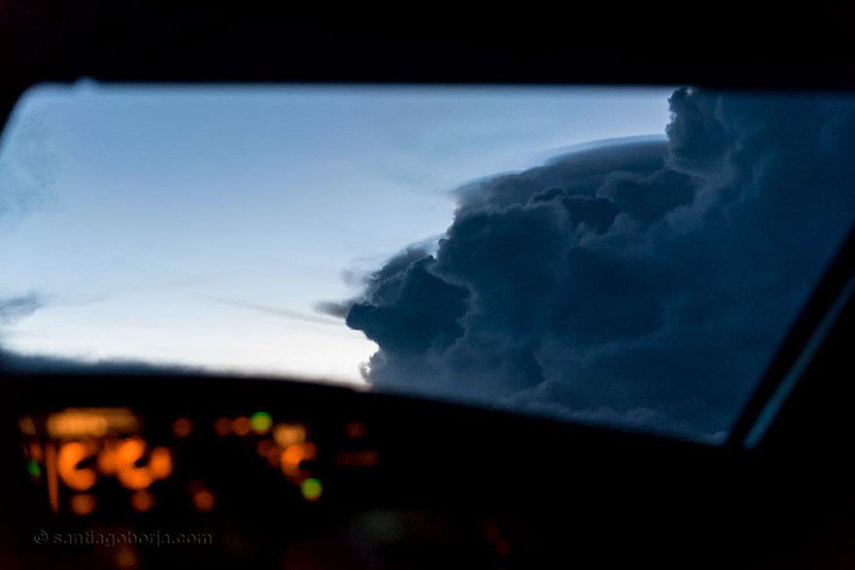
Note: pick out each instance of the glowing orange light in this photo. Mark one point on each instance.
(296, 454)
(203, 499)
(160, 463)
(36, 453)
(289, 434)
(130, 450)
(91, 422)
(77, 425)
(241, 425)
(292, 456)
(182, 427)
(135, 479)
(128, 453)
(27, 425)
(82, 503)
(355, 430)
(142, 501)
(122, 459)
(52, 477)
(108, 462)
(68, 465)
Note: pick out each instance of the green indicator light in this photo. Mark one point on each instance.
(260, 422)
(311, 489)
(34, 469)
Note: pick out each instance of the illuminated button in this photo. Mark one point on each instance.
(203, 499)
(296, 454)
(27, 425)
(311, 489)
(128, 453)
(182, 427)
(91, 422)
(160, 462)
(241, 425)
(260, 422)
(289, 434)
(71, 455)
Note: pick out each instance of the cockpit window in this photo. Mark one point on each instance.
(630, 257)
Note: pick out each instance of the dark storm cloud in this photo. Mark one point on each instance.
(416, 311)
(644, 283)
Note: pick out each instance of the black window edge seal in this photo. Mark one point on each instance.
(796, 352)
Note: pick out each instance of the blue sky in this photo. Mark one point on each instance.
(160, 224)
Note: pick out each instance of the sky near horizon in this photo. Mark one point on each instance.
(202, 225)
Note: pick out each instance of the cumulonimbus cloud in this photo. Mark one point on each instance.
(645, 283)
